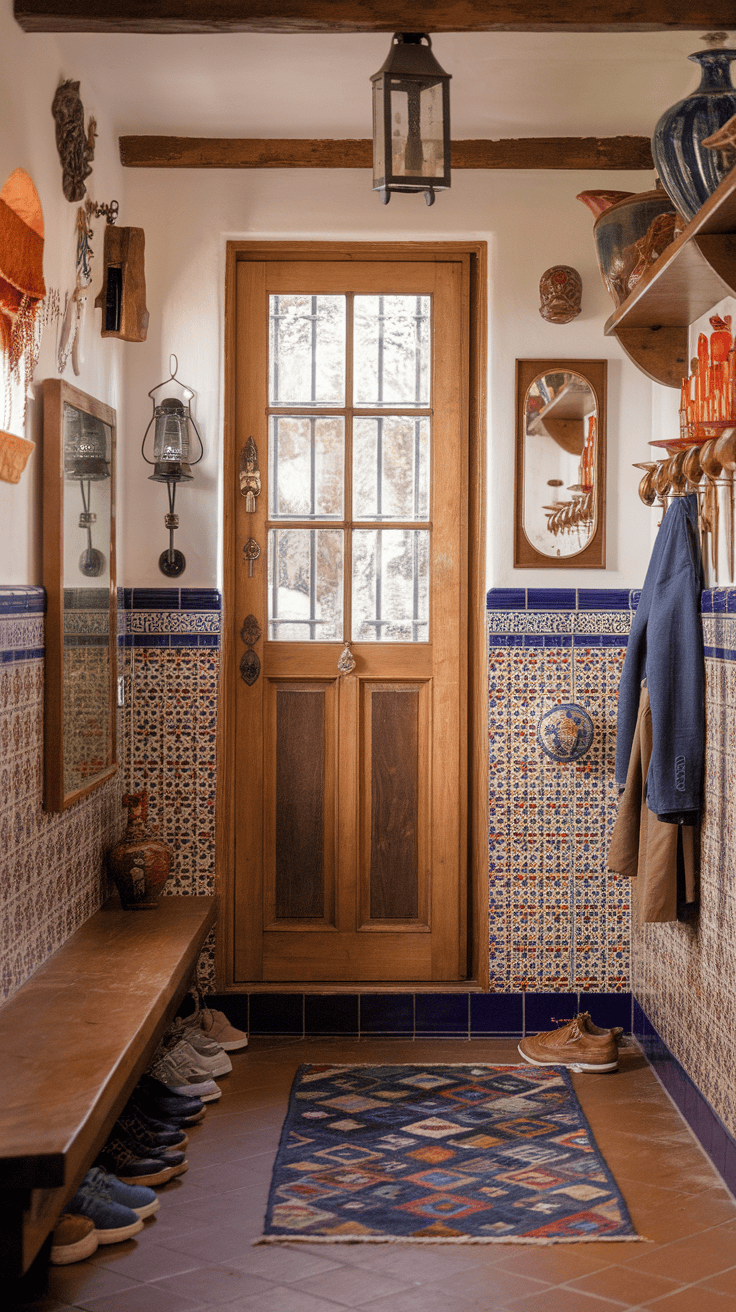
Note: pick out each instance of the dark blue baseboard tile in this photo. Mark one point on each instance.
(417, 1015)
(705, 1124)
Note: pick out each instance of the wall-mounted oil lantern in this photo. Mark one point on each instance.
(411, 120)
(86, 460)
(172, 463)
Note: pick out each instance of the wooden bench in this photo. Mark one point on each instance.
(74, 1040)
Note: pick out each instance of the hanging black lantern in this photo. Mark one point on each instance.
(172, 463)
(411, 120)
(86, 461)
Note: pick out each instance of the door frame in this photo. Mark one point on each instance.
(475, 256)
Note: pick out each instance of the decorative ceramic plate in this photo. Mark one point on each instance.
(565, 733)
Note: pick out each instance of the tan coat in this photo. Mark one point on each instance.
(643, 845)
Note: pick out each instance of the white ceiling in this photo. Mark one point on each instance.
(504, 84)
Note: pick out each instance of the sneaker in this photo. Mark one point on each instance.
(154, 1134)
(138, 1198)
(616, 1031)
(571, 1045)
(205, 1052)
(133, 1164)
(74, 1238)
(179, 1072)
(160, 1102)
(215, 1025)
(113, 1222)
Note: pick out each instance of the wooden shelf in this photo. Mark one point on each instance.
(695, 272)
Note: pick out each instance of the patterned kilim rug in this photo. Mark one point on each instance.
(463, 1154)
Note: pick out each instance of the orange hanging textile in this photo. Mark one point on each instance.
(22, 287)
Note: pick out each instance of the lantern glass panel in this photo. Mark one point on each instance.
(379, 134)
(171, 435)
(417, 140)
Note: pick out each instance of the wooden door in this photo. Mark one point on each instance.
(350, 789)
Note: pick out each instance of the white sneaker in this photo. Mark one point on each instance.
(177, 1070)
(207, 1052)
(215, 1025)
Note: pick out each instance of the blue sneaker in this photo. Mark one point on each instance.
(113, 1221)
(139, 1198)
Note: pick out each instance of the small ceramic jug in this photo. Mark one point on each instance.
(140, 862)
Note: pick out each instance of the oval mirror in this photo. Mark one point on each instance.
(559, 464)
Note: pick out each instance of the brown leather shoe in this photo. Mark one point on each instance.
(616, 1031)
(571, 1045)
(75, 1238)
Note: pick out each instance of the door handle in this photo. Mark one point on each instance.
(251, 551)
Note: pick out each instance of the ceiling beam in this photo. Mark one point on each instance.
(182, 16)
(297, 153)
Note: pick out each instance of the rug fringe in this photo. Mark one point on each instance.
(461, 1239)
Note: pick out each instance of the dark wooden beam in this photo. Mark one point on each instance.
(369, 15)
(296, 153)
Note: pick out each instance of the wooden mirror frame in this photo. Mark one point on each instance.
(592, 556)
(56, 393)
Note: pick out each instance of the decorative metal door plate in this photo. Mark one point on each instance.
(250, 664)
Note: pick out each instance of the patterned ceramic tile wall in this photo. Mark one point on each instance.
(51, 865)
(173, 639)
(558, 921)
(685, 975)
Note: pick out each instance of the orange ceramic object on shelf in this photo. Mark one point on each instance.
(140, 862)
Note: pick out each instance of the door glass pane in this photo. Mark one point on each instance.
(390, 585)
(307, 350)
(306, 458)
(392, 350)
(305, 567)
(391, 468)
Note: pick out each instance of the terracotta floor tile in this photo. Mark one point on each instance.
(83, 1279)
(142, 1298)
(693, 1299)
(281, 1264)
(142, 1259)
(690, 1259)
(423, 1298)
(562, 1299)
(214, 1285)
(493, 1284)
(353, 1286)
(280, 1298)
(558, 1262)
(724, 1281)
(618, 1282)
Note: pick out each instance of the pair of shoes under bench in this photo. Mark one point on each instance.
(104, 1210)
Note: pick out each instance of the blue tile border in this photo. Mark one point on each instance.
(172, 599)
(461, 1014)
(626, 599)
(704, 1122)
(22, 600)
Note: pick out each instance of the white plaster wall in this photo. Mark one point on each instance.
(32, 67)
(530, 221)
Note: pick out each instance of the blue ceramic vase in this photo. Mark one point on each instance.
(689, 171)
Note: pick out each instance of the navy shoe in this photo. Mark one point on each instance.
(158, 1100)
(113, 1221)
(138, 1198)
(154, 1134)
(134, 1164)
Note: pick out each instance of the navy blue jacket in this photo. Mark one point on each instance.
(666, 647)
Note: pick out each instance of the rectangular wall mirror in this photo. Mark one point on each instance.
(79, 578)
(560, 492)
